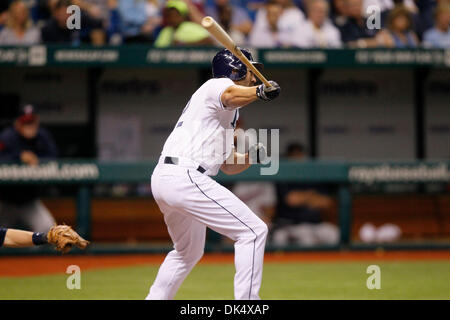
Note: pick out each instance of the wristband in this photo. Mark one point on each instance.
(39, 238)
(2, 235)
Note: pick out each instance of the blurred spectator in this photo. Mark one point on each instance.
(234, 19)
(275, 27)
(382, 6)
(55, 30)
(100, 15)
(4, 6)
(178, 30)
(153, 8)
(290, 12)
(354, 31)
(26, 142)
(387, 5)
(42, 12)
(199, 4)
(196, 10)
(318, 31)
(139, 20)
(96, 9)
(19, 28)
(299, 208)
(260, 197)
(418, 9)
(439, 36)
(338, 12)
(254, 5)
(423, 20)
(399, 32)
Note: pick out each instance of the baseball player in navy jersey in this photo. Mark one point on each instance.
(190, 199)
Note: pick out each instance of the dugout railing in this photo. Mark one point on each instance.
(85, 174)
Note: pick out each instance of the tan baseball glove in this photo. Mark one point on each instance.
(63, 237)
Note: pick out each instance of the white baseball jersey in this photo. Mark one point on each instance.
(191, 201)
(204, 132)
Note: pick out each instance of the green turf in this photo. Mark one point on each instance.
(346, 280)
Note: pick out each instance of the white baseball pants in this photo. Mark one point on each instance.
(190, 202)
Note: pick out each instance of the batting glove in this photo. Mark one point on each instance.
(268, 93)
(257, 153)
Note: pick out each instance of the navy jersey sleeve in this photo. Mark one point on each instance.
(9, 150)
(2, 235)
(48, 149)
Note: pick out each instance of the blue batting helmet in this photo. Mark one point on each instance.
(227, 65)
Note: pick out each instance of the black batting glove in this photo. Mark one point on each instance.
(268, 93)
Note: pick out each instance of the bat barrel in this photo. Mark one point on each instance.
(207, 22)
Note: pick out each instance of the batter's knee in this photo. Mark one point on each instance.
(256, 232)
(198, 254)
(261, 230)
(193, 255)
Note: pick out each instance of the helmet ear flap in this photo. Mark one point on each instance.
(234, 74)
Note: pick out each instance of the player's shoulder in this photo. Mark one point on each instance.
(8, 134)
(218, 83)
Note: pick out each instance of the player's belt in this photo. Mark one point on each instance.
(174, 160)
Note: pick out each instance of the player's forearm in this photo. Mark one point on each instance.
(240, 162)
(18, 238)
(238, 96)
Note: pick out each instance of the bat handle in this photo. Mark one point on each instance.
(266, 83)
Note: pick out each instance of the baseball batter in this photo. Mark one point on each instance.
(191, 200)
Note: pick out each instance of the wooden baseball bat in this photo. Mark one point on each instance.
(217, 32)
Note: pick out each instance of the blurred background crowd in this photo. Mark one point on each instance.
(254, 23)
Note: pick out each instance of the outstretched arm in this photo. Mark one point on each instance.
(239, 96)
(63, 237)
(18, 238)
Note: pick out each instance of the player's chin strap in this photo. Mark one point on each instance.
(175, 161)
